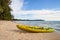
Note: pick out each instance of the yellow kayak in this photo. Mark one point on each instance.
(35, 28)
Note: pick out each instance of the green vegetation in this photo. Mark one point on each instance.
(5, 10)
(28, 20)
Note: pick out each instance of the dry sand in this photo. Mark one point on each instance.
(9, 31)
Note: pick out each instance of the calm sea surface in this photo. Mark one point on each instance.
(53, 24)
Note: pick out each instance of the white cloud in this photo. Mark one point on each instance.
(34, 14)
(16, 5)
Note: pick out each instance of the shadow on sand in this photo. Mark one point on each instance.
(22, 31)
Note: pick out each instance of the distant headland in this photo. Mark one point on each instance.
(27, 20)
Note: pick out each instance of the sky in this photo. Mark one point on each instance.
(36, 9)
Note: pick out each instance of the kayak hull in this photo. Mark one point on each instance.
(32, 29)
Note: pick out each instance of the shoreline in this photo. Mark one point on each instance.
(9, 31)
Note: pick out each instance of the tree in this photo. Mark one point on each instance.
(5, 10)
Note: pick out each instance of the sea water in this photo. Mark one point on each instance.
(53, 24)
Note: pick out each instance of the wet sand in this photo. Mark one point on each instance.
(9, 31)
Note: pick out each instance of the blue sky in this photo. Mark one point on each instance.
(41, 4)
(36, 9)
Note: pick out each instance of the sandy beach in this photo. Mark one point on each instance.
(9, 31)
